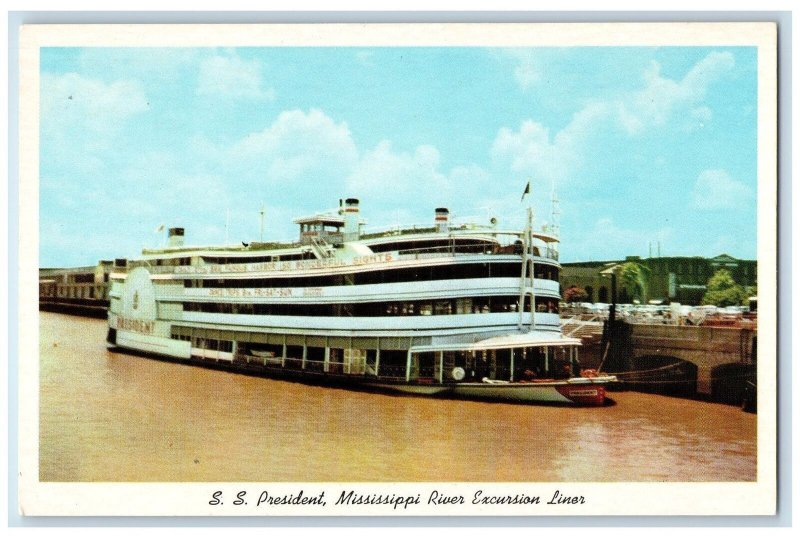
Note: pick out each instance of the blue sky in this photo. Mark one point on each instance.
(643, 145)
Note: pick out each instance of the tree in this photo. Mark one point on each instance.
(722, 290)
(636, 278)
(574, 294)
(749, 291)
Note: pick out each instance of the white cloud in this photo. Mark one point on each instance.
(298, 163)
(532, 150)
(306, 159)
(707, 71)
(531, 144)
(296, 143)
(561, 156)
(229, 76)
(72, 101)
(383, 173)
(661, 97)
(304, 152)
(716, 189)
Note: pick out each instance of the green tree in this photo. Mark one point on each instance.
(574, 294)
(749, 291)
(722, 290)
(636, 277)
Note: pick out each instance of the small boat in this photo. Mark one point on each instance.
(575, 390)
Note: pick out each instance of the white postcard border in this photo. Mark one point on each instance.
(88, 499)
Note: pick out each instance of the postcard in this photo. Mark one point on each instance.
(398, 269)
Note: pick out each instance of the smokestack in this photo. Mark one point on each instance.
(351, 218)
(175, 237)
(442, 219)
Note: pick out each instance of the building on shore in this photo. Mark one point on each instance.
(679, 279)
(75, 287)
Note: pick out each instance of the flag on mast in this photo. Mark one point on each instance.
(526, 191)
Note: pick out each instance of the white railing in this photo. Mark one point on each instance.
(578, 326)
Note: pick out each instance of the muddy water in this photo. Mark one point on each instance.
(119, 417)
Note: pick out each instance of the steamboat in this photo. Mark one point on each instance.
(446, 310)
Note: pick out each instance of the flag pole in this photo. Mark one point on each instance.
(160, 229)
(532, 262)
(528, 271)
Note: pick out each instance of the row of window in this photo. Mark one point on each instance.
(207, 343)
(388, 276)
(464, 246)
(527, 363)
(71, 292)
(224, 260)
(468, 246)
(173, 262)
(481, 305)
(219, 260)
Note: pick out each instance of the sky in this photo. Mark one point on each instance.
(646, 147)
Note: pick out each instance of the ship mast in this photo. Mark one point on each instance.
(527, 276)
(555, 211)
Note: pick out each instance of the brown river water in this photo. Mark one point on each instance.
(120, 417)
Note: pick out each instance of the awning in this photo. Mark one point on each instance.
(506, 341)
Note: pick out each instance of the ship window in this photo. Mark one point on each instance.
(315, 358)
(442, 307)
(393, 363)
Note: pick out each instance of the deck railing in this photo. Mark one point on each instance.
(411, 254)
